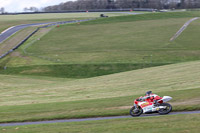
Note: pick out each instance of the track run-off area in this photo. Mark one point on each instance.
(91, 119)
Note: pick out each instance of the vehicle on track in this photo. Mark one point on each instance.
(143, 106)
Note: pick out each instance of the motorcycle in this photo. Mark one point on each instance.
(160, 106)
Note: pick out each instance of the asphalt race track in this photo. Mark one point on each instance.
(12, 30)
(183, 28)
(92, 119)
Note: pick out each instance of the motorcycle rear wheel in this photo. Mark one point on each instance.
(166, 110)
(135, 112)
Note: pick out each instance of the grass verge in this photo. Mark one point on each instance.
(15, 39)
(182, 100)
(165, 124)
(151, 16)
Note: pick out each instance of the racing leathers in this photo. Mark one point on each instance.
(153, 98)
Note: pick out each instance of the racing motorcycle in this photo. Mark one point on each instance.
(160, 106)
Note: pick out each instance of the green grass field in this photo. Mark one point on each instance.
(15, 39)
(165, 124)
(7, 21)
(76, 51)
(98, 68)
(56, 98)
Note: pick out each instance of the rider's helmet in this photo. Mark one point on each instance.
(148, 93)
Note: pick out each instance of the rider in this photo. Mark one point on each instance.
(150, 97)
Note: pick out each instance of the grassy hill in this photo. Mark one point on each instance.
(108, 45)
(97, 68)
(53, 98)
(7, 21)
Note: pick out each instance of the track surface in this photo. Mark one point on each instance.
(91, 119)
(10, 31)
(183, 28)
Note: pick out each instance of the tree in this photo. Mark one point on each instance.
(2, 10)
(112, 4)
(32, 9)
(25, 9)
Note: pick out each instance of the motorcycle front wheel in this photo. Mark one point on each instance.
(135, 111)
(165, 110)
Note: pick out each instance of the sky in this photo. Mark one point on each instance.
(19, 5)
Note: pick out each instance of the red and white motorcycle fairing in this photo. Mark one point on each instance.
(150, 107)
(147, 106)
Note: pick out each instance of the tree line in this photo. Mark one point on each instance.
(121, 4)
(2, 9)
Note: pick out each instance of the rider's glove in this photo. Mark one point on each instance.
(147, 97)
(140, 99)
(155, 102)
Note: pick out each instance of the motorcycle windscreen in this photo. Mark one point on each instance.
(166, 98)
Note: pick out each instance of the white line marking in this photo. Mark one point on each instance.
(7, 29)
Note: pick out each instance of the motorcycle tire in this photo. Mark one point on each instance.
(135, 114)
(165, 111)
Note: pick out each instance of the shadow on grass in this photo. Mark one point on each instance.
(75, 70)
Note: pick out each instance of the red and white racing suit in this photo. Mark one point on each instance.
(151, 98)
